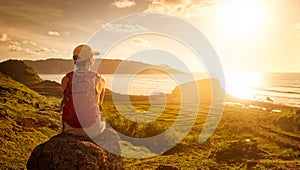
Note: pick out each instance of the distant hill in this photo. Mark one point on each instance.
(105, 66)
(19, 71)
(26, 75)
(51, 66)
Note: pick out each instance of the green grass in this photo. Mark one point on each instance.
(237, 124)
(27, 120)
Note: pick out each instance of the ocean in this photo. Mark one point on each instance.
(279, 88)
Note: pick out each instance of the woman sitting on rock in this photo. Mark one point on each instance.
(83, 92)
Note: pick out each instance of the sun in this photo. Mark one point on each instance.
(241, 18)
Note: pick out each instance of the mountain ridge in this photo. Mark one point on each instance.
(105, 66)
(25, 74)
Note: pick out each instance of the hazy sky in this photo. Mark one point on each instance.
(248, 35)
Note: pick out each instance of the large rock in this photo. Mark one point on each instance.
(66, 151)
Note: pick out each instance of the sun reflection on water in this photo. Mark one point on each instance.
(243, 84)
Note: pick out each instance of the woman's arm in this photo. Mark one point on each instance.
(101, 90)
(64, 83)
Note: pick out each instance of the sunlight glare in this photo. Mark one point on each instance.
(243, 84)
(241, 18)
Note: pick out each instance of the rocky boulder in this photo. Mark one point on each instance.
(67, 151)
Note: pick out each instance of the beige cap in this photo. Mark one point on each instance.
(83, 52)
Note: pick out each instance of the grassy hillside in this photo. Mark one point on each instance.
(18, 70)
(26, 120)
(25, 74)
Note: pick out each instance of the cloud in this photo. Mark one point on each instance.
(298, 25)
(33, 43)
(124, 3)
(139, 42)
(14, 43)
(173, 2)
(54, 50)
(26, 42)
(183, 8)
(44, 48)
(53, 33)
(16, 47)
(13, 47)
(126, 28)
(4, 37)
(39, 50)
(28, 47)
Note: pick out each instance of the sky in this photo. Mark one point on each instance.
(247, 35)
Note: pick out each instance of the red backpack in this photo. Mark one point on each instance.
(80, 102)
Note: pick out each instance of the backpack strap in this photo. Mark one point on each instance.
(95, 77)
(91, 74)
(70, 75)
(65, 98)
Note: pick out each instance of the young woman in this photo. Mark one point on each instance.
(83, 92)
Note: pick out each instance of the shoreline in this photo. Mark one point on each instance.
(261, 104)
(229, 101)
